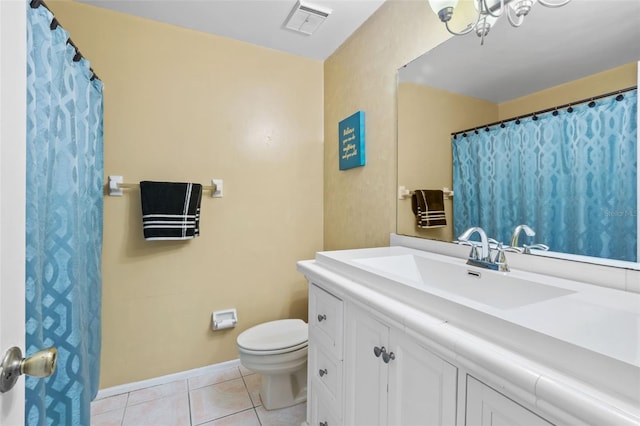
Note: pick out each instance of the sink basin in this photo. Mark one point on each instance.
(496, 289)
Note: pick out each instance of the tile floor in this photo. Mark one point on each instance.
(224, 398)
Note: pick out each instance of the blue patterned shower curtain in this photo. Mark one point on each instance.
(63, 223)
(572, 177)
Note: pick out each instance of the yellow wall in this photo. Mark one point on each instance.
(186, 106)
(593, 85)
(360, 203)
(426, 118)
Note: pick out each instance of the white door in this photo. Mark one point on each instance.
(12, 194)
(422, 386)
(487, 407)
(365, 374)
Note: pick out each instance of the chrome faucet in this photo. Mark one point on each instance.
(516, 233)
(487, 257)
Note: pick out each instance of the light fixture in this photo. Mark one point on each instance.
(488, 12)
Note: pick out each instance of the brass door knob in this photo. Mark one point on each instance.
(40, 364)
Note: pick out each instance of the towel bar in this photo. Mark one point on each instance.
(116, 186)
(404, 193)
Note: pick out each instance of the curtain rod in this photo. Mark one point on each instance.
(534, 114)
(55, 24)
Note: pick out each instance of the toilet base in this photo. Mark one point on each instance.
(283, 390)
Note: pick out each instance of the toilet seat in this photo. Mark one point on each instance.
(274, 337)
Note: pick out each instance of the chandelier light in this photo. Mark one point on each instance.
(488, 12)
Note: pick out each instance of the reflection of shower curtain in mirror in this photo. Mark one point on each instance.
(571, 177)
(63, 224)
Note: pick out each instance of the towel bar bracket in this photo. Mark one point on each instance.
(114, 186)
(217, 184)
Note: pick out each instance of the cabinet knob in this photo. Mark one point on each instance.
(322, 372)
(377, 351)
(321, 317)
(386, 357)
(324, 424)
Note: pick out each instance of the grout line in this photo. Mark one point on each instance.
(124, 412)
(257, 416)
(189, 406)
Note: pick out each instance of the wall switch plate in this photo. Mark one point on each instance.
(218, 192)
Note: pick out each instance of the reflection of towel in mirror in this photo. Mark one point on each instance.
(170, 210)
(428, 206)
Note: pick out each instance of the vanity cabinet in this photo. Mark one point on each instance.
(391, 379)
(487, 407)
(377, 356)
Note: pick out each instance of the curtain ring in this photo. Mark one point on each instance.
(619, 97)
(570, 109)
(592, 103)
(502, 125)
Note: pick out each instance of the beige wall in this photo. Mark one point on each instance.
(360, 203)
(185, 106)
(426, 118)
(593, 85)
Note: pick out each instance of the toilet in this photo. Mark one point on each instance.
(277, 350)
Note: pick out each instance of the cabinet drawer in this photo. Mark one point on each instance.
(326, 319)
(326, 373)
(322, 411)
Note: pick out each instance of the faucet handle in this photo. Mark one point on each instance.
(501, 259)
(538, 246)
(514, 249)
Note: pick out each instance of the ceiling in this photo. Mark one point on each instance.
(259, 22)
(553, 46)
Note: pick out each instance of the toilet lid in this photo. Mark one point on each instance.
(274, 335)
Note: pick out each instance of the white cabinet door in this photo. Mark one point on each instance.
(365, 374)
(422, 386)
(487, 407)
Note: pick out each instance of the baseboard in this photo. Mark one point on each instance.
(130, 387)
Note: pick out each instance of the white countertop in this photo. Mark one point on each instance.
(602, 320)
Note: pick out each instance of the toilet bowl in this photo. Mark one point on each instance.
(277, 350)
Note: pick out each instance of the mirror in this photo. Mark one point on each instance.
(557, 56)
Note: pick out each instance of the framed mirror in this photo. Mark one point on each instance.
(558, 56)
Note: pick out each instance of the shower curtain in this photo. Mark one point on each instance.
(63, 223)
(571, 176)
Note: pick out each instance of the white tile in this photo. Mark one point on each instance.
(253, 386)
(171, 410)
(219, 400)
(155, 392)
(285, 416)
(108, 418)
(111, 403)
(244, 418)
(213, 378)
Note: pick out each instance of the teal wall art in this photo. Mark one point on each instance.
(351, 141)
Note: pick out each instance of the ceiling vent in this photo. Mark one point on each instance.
(306, 18)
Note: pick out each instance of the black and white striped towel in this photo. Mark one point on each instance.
(170, 210)
(428, 206)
